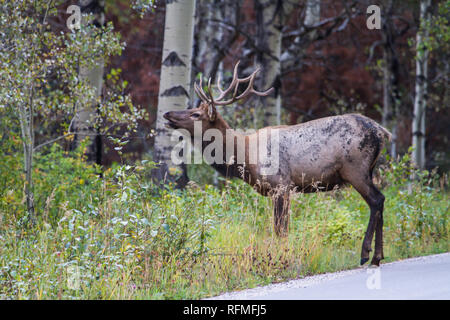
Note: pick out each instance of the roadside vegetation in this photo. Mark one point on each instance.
(71, 229)
(121, 237)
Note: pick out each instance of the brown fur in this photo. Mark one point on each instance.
(314, 156)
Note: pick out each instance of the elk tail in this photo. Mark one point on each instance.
(386, 133)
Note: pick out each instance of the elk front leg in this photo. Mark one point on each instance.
(281, 204)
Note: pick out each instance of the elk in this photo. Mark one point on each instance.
(317, 155)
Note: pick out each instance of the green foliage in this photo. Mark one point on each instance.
(127, 238)
(342, 227)
(142, 6)
(435, 31)
(41, 83)
(34, 54)
(439, 27)
(39, 68)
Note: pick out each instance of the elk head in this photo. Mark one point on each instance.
(207, 112)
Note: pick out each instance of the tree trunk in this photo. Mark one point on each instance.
(391, 95)
(299, 45)
(211, 42)
(421, 89)
(26, 114)
(83, 122)
(268, 41)
(207, 39)
(174, 86)
(289, 57)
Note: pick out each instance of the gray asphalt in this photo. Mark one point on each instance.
(425, 278)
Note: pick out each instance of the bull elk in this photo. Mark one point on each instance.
(318, 155)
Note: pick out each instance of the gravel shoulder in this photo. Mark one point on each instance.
(426, 277)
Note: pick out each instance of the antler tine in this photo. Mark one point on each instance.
(198, 88)
(252, 75)
(218, 83)
(245, 93)
(249, 87)
(263, 93)
(234, 82)
(197, 91)
(233, 87)
(248, 90)
(210, 91)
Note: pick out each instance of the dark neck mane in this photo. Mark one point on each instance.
(228, 170)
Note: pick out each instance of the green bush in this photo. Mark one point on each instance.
(120, 236)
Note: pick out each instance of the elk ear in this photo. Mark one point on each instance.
(211, 112)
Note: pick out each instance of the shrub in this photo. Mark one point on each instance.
(120, 236)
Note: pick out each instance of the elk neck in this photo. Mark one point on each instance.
(229, 168)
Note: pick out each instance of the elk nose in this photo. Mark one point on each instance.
(167, 115)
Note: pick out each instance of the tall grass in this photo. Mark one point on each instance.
(120, 237)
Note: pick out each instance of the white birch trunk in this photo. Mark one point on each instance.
(271, 65)
(83, 122)
(421, 88)
(269, 40)
(26, 114)
(174, 87)
(208, 36)
(312, 17)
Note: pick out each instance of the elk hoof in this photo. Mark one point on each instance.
(364, 260)
(375, 261)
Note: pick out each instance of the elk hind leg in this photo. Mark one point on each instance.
(378, 206)
(375, 199)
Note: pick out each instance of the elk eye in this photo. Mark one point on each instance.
(195, 115)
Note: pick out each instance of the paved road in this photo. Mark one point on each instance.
(417, 278)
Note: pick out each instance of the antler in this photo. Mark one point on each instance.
(233, 87)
